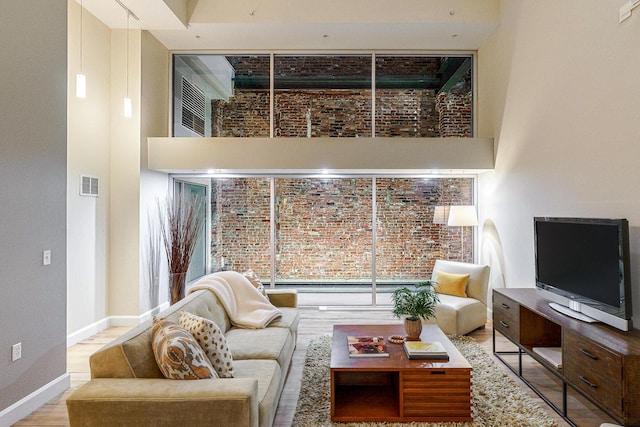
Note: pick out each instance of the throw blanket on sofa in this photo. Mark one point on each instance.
(245, 305)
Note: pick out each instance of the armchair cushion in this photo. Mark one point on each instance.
(451, 284)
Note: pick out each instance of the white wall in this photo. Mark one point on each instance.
(559, 89)
(105, 265)
(124, 254)
(154, 121)
(88, 146)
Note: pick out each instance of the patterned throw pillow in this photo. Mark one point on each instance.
(177, 352)
(253, 278)
(212, 341)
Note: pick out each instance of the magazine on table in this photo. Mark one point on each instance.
(425, 350)
(367, 346)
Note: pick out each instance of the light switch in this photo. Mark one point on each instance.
(46, 257)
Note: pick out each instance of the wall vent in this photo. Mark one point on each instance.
(88, 186)
(193, 107)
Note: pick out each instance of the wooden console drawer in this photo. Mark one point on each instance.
(593, 369)
(506, 316)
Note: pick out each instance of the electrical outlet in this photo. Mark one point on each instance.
(16, 351)
(46, 257)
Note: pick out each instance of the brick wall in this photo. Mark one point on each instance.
(323, 227)
(454, 114)
(334, 113)
(245, 115)
(406, 113)
(342, 113)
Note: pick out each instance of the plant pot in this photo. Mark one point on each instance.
(177, 283)
(413, 328)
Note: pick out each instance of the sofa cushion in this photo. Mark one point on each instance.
(451, 283)
(212, 341)
(269, 343)
(177, 352)
(270, 385)
(290, 320)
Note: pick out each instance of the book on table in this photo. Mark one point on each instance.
(425, 350)
(367, 346)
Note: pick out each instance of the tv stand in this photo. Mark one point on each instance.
(598, 361)
(575, 314)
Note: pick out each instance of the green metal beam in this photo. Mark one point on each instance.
(456, 76)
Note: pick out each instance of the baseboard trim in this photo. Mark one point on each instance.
(87, 331)
(33, 401)
(99, 326)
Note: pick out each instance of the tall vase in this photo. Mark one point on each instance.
(177, 283)
(413, 328)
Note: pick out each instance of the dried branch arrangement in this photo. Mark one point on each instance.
(153, 259)
(180, 224)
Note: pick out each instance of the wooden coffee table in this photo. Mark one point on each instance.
(395, 388)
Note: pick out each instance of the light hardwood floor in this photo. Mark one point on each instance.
(313, 323)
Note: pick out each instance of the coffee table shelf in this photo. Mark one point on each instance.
(366, 395)
(396, 388)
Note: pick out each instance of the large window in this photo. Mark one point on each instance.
(423, 96)
(317, 234)
(408, 242)
(240, 225)
(324, 95)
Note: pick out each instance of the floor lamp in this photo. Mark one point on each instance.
(462, 216)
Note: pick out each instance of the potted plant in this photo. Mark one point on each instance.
(415, 304)
(180, 224)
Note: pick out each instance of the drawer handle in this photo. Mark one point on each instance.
(505, 306)
(589, 355)
(504, 324)
(587, 382)
(438, 372)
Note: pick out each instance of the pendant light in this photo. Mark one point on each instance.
(81, 79)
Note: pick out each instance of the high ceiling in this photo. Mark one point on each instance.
(241, 25)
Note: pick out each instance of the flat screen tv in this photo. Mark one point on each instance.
(582, 266)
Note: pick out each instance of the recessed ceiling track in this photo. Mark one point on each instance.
(131, 14)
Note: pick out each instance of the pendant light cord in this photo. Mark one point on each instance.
(127, 62)
(81, 13)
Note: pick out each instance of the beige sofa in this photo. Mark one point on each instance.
(128, 389)
(457, 315)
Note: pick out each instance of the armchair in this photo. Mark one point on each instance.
(459, 315)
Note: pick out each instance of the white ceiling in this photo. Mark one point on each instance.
(185, 25)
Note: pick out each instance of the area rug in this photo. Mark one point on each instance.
(496, 400)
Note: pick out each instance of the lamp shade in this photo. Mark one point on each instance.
(463, 216)
(441, 214)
